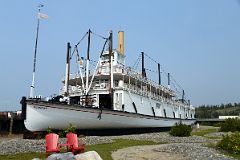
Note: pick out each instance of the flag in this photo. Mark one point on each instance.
(42, 16)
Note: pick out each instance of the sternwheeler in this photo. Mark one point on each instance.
(111, 96)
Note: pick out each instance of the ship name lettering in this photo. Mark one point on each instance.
(40, 107)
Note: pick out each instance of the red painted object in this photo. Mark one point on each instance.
(72, 143)
(52, 144)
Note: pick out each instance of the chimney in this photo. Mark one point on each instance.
(121, 42)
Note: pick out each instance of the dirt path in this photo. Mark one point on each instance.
(145, 153)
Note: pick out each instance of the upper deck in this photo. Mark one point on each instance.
(123, 78)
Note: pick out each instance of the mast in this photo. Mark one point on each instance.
(35, 54)
(159, 74)
(88, 55)
(110, 63)
(67, 69)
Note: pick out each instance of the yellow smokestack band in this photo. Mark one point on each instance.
(121, 42)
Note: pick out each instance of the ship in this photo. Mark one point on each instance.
(111, 96)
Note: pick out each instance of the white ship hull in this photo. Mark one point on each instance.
(43, 115)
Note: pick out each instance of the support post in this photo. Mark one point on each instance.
(88, 58)
(111, 69)
(110, 62)
(159, 74)
(169, 80)
(66, 93)
(183, 96)
(11, 123)
(143, 68)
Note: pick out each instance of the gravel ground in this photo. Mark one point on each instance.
(173, 151)
(197, 151)
(164, 137)
(179, 148)
(145, 153)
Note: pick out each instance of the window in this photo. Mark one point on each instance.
(105, 57)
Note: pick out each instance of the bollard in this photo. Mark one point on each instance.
(197, 125)
(11, 124)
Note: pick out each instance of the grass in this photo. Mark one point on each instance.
(25, 156)
(104, 150)
(229, 154)
(203, 132)
(211, 145)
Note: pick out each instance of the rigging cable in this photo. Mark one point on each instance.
(75, 48)
(163, 71)
(137, 62)
(98, 35)
(82, 39)
(104, 46)
(151, 70)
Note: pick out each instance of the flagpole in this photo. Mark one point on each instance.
(35, 54)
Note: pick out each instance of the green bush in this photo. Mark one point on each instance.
(181, 130)
(49, 130)
(231, 124)
(62, 133)
(231, 143)
(71, 129)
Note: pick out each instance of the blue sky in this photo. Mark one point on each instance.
(196, 41)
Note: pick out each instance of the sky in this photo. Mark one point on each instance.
(198, 42)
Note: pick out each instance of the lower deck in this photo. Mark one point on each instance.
(134, 102)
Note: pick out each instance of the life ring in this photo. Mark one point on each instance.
(103, 85)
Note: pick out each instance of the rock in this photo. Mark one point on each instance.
(91, 155)
(61, 156)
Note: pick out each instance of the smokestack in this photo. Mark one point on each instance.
(121, 42)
